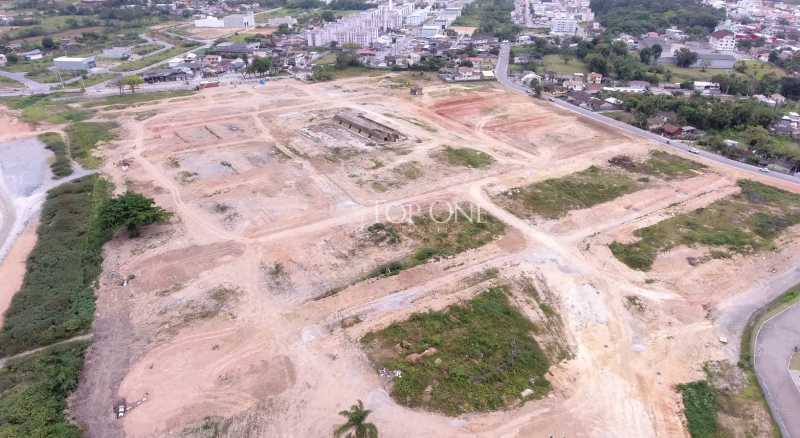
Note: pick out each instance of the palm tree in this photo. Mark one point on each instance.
(356, 426)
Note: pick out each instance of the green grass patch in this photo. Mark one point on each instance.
(743, 223)
(555, 197)
(144, 49)
(61, 165)
(660, 164)
(700, 409)
(441, 234)
(46, 109)
(486, 356)
(56, 301)
(50, 76)
(681, 74)
(34, 390)
(147, 61)
(120, 101)
(467, 157)
(84, 138)
(556, 63)
(91, 80)
(9, 83)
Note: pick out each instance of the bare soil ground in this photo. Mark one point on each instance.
(232, 319)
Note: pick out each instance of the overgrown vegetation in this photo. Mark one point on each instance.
(476, 356)
(34, 389)
(46, 108)
(490, 17)
(440, 234)
(61, 165)
(84, 138)
(130, 210)
(553, 198)
(56, 300)
(743, 223)
(641, 16)
(467, 157)
(700, 409)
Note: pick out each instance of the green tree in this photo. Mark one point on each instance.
(131, 210)
(48, 43)
(131, 82)
(356, 427)
(645, 55)
(259, 66)
(685, 57)
(655, 51)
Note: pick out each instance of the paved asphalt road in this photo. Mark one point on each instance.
(777, 339)
(502, 76)
(775, 345)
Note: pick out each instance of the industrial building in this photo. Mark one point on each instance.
(364, 126)
(66, 63)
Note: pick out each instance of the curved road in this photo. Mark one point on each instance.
(776, 340)
(775, 343)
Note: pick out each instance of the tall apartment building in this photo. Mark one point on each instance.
(360, 29)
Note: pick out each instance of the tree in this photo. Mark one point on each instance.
(328, 16)
(131, 82)
(131, 210)
(48, 43)
(685, 57)
(356, 426)
(655, 51)
(259, 66)
(645, 55)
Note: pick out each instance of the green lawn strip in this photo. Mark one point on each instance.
(61, 165)
(700, 409)
(556, 63)
(555, 197)
(486, 356)
(45, 109)
(743, 223)
(84, 138)
(125, 100)
(149, 60)
(56, 300)
(441, 235)
(467, 157)
(34, 389)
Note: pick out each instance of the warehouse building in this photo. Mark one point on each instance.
(66, 63)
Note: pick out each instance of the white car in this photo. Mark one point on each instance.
(694, 151)
(763, 170)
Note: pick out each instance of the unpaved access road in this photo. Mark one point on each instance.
(775, 345)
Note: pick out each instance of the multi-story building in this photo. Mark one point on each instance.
(361, 29)
(723, 41)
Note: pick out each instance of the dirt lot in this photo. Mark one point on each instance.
(233, 318)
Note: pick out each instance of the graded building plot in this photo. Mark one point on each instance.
(745, 223)
(176, 138)
(325, 263)
(251, 188)
(388, 158)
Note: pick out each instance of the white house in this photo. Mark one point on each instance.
(723, 41)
